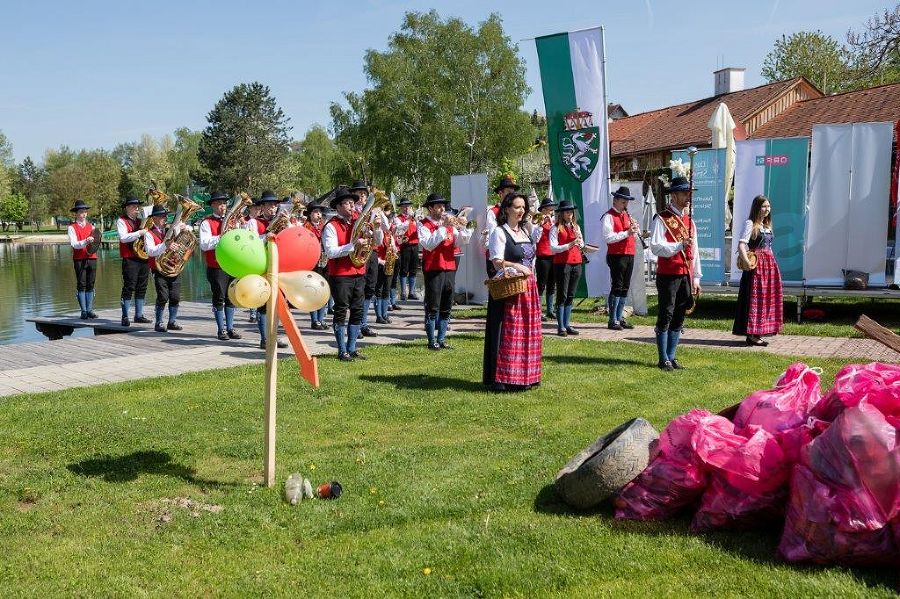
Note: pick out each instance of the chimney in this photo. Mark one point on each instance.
(729, 80)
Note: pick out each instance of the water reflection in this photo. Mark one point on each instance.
(38, 280)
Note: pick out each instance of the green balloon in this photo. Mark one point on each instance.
(240, 253)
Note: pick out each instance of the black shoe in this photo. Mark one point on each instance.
(667, 366)
(91, 314)
(159, 328)
(232, 334)
(403, 297)
(676, 365)
(498, 388)
(544, 318)
(281, 344)
(222, 336)
(329, 311)
(253, 318)
(345, 357)
(562, 332)
(615, 326)
(174, 326)
(357, 356)
(756, 341)
(316, 326)
(413, 296)
(325, 326)
(367, 331)
(394, 307)
(390, 307)
(84, 315)
(625, 324)
(262, 344)
(434, 346)
(381, 320)
(142, 319)
(126, 322)
(571, 331)
(445, 345)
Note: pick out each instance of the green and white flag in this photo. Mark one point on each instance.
(575, 101)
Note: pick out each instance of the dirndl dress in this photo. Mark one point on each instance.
(760, 306)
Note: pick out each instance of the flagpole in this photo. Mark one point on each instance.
(606, 108)
(531, 39)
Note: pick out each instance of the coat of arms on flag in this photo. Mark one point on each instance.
(579, 144)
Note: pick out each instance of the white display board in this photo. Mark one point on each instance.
(847, 207)
(472, 190)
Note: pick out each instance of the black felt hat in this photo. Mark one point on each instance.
(679, 184)
(341, 194)
(623, 192)
(359, 185)
(404, 202)
(79, 205)
(547, 203)
(159, 210)
(268, 197)
(436, 198)
(506, 182)
(217, 196)
(314, 205)
(565, 205)
(131, 201)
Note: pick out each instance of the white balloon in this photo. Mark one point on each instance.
(305, 289)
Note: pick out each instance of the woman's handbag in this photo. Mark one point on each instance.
(749, 264)
(507, 285)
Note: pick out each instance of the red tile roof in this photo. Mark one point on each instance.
(685, 124)
(864, 106)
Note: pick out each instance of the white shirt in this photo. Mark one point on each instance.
(208, 241)
(609, 234)
(555, 246)
(76, 243)
(660, 246)
(150, 246)
(748, 231)
(497, 240)
(124, 235)
(330, 241)
(429, 241)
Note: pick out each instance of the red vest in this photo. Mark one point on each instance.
(543, 244)
(82, 232)
(343, 267)
(573, 254)
(412, 233)
(261, 225)
(215, 228)
(315, 231)
(441, 257)
(157, 239)
(676, 265)
(126, 250)
(621, 221)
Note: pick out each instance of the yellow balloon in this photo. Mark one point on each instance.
(250, 291)
(305, 289)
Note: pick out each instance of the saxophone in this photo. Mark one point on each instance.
(171, 262)
(363, 229)
(232, 216)
(390, 255)
(158, 198)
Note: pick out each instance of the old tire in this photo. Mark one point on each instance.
(607, 465)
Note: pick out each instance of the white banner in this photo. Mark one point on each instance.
(471, 190)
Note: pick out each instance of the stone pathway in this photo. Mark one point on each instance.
(84, 361)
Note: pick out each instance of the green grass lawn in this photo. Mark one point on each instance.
(447, 488)
(717, 312)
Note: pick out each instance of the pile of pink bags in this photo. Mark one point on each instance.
(828, 468)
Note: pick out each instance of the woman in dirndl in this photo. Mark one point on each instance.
(512, 340)
(760, 306)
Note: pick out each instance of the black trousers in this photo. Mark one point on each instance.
(135, 276)
(543, 271)
(85, 274)
(395, 277)
(168, 289)
(383, 283)
(620, 268)
(348, 293)
(439, 293)
(409, 260)
(674, 292)
(371, 276)
(567, 278)
(219, 280)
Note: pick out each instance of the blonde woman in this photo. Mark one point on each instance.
(566, 243)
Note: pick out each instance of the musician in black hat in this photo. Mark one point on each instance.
(361, 190)
(82, 235)
(408, 238)
(211, 229)
(674, 241)
(347, 281)
(268, 207)
(620, 232)
(315, 223)
(168, 288)
(566, 243)
(439, 237)
(544, 264)
(135, 270)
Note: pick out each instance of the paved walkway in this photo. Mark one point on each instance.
(79, 362)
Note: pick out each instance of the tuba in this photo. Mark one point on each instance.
(363, 228)
(157, 198)
(171, 262)
(233, 215)
(282, 218)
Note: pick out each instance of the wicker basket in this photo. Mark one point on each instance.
(507, 286)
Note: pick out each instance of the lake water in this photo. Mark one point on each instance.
(39, 280)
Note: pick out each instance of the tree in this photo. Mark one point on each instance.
(246, 140)
(811, 54)
(445, 99)
(312, 163)
(143, 162)
(875, 50)
(183, 157)
(31, 182)
(6, 166)
(91, 175)
(13, 208)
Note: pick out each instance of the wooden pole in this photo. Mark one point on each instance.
(271, 365)
(873, 330)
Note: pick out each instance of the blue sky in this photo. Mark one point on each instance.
(95, 73)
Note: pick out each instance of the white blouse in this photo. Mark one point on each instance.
(497, 240)
(748, 230)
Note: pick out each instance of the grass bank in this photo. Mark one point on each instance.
(151, 487)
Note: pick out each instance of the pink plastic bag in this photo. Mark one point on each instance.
(672, 481)
(786, 406)
(877, 383)
(845, 492)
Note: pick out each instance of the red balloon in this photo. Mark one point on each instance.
(298, 249)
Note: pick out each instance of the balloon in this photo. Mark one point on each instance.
(306, 289)
(298, 249)
(250, 291)
(241, 252)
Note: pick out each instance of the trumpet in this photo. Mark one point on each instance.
(460, 221)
